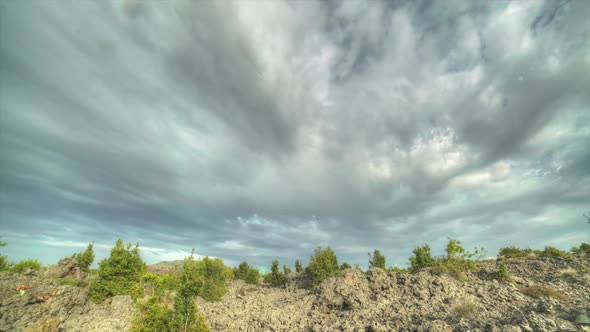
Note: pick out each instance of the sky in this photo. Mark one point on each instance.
(259, 130)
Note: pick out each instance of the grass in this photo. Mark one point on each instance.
(465, 308)
(538, 292)
(72, 282)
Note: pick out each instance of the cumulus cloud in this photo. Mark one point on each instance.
(259, 130)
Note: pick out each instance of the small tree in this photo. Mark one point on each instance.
(214, 275)
(119, 274)
(3, 259)
(184, 317)
(247, 273)
(298, 266)
(377, 260)
(275, 278)
(85, 258)
(322, 265)
(421, 259)
(286, 270)
(345, 266)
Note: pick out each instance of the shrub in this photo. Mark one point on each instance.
(460, 260)
(465, 308)
(567, 273)
(421, 259)
(185, 317)
(298, 266)
(286, 270)
(538, 292)
(4, 265)
(247, 273)
(345, 266)
(583, 249)
(552, 252)
(377, 260)
(85, 258)
(214, 274)
(119, 274)
(322, 265)
(23, 265)
(515, 252)
(275, 278)
(502, 273)
(396, 269)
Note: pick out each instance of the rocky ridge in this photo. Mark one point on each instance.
(380, 301)
(375, 300)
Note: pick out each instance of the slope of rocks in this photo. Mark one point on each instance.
(379, 301)
(39, 302)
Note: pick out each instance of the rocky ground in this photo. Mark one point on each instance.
(358, 301)
(43, 302)
(381, 301)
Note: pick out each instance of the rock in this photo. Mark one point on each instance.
(582, 319)
(349, 292)
(66, 268)
(435, 326)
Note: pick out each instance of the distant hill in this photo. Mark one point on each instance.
(165, 266)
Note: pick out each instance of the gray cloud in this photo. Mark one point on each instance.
(254, 131)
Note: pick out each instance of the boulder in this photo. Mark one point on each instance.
(66, 268)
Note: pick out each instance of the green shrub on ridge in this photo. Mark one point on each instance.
(322, 265)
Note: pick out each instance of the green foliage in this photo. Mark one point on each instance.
(214, 274)
(515, 252)
(458, 259)
(4, 265)
(377, 260)
(275, 278)
(322, 265)
(23, 265)
(583, 249)
(396, 269)
(552, 252)
(159, 314)
(72, 282)
(247, 273)
(502, 273)
(286, 270)
(119, 274)
(421, 259)
(193, 281)
(298, 266)
(85, 258)
(345, 266)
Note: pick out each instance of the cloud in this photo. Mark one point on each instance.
(254, 131)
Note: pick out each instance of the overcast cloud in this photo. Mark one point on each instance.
(257, 130)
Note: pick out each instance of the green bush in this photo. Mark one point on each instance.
(286, 270)
(502, 273)
(275, 278)
(345, 266)
(157, 314)
(458, 259)
(322, 265)
(298, 266)
(4, 265)
(247, 273)
(119, 274)
(396, 269)
(421, 259)
(214, 274)
(583, 249)
(552, 252)
(377, 260)
(515, 252)
(23, 265)
(85, 258)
